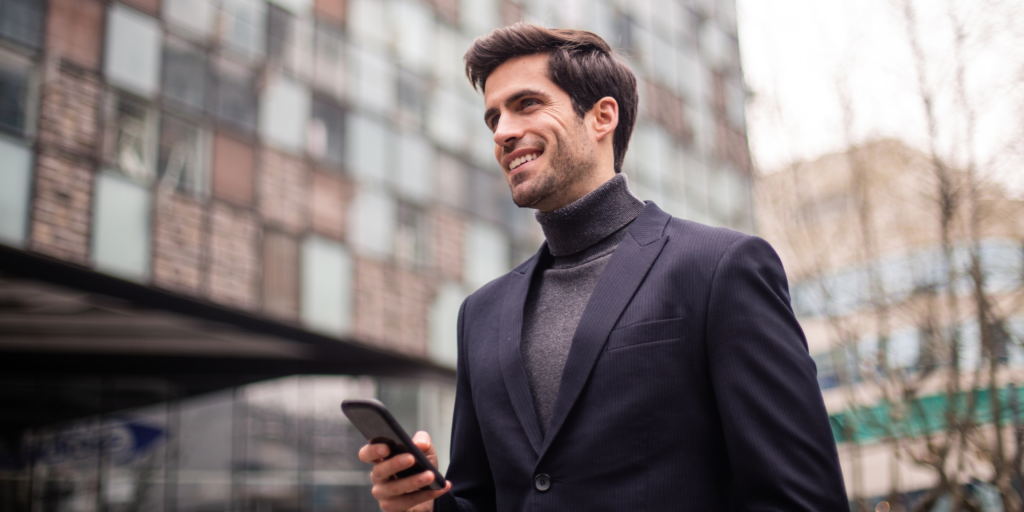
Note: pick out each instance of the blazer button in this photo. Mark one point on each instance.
(542, 482)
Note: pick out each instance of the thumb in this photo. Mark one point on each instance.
(422, 441)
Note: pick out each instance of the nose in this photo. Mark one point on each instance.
(507, 131)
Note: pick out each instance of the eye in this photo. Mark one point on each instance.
(529, 102)
(492, 122)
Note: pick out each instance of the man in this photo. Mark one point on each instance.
(637, 361)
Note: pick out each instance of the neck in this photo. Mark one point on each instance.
(591, 218)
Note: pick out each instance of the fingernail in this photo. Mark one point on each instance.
(382, 451)
(423, 478)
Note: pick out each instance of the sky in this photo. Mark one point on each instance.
(825, 73)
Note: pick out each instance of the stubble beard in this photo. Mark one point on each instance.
(572, 160)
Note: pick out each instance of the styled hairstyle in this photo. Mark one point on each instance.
(579, 62)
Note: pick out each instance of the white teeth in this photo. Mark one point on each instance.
(522, 160)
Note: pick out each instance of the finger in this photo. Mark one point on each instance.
(373, 452)
(408, 501)
(397, 489)
(422, 441)
(384, 470)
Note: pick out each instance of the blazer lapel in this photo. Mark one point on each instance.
(619, 281)
(510, 358)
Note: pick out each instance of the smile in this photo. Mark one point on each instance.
(522, 160)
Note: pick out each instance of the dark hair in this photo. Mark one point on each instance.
(579, 62)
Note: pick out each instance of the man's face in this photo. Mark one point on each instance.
(541, 144)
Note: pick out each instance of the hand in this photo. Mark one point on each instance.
(404, 494)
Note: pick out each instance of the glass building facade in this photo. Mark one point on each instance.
(310, 173)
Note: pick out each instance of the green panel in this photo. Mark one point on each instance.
(924, 415)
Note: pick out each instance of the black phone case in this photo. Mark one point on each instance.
(378, 426)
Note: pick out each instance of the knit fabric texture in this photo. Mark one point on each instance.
(581, 238)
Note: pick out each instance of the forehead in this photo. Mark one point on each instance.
(517, 74)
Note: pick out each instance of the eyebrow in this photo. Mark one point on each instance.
(510, 100)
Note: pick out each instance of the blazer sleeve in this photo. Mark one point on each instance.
(468, 469)
(780, 445)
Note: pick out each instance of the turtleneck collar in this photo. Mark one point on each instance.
(581, 224)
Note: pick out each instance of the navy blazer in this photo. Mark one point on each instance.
(688, 386)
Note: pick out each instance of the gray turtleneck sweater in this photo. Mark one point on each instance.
(581, 239)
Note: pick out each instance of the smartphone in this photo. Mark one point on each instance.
(379, 426)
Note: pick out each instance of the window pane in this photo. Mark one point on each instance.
(195, 16)
(290, 43)
(373, 80)
(416, 160)
(242, 24)
(368, 22)
(235, 95)
(326, 285)
(326, 132)
(485, 194)
(133, 50)
(444, 323)
(415, 34)
(487, 253)
(185, 74)
(121, 227)
(14, 93)
(368, 143)
(131, 137)
(329, 68)
(372, 223)
(21, 21)
(184, 156)
(411, 236)
(285, 114)
(15, 183)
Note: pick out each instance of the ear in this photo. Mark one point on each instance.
(605, 117)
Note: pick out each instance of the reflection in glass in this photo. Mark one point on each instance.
(281, 444)
(184, 156)
(14, 93)
(185, 74)
(130, 138)
(235, 96)
(21, 21)
(326, 134)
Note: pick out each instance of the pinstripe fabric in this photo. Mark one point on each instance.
(688, 387)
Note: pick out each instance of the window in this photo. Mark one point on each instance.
(487, 253)
(121, 227)
(444, 323)
(280, 274)
(15, 93)
(326, 132)
(130, 141)
(411, 106)
(372, 223)
(15, 189)
(373, 80)
(692, 76)
(133, 51)
(186, 76)
(290, 43)
(194, 16)
(416, 161)
(368, 23)
(285, 109)
(415, 34)
(411, 236)
(235, 95)
(326, 285)
(241, 26)
(184, 156)
(369, 145)
(479, 16)
(446, 123)
(485, 194)
(329, 60)
(21, 21)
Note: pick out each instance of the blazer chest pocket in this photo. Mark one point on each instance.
(647, 332)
